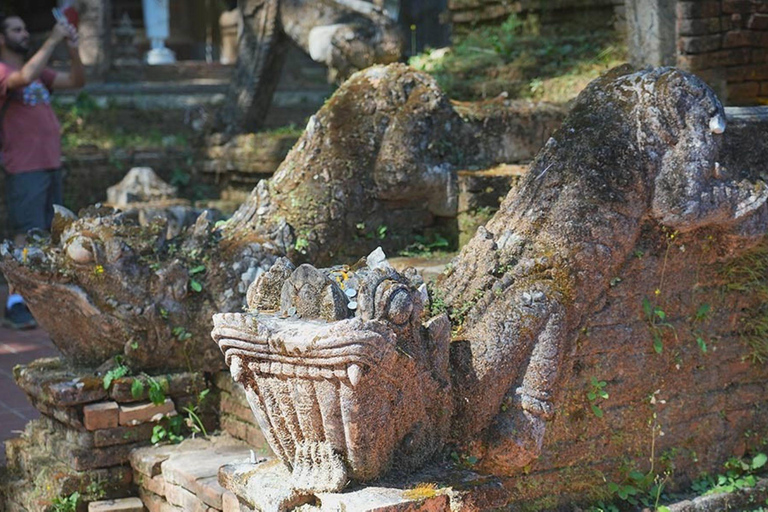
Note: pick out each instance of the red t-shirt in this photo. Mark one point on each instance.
(31, 135)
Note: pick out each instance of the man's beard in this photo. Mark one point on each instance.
(20, 48)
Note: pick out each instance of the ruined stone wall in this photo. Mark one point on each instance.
(551, 13)
(685, 391)
(726, 43)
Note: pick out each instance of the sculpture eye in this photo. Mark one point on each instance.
(717, 124)
(400, 306)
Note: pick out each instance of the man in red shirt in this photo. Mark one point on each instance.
(31, 138)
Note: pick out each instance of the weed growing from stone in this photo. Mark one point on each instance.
(65, 503)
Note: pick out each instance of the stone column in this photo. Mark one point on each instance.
(95, 34)
(651, 33)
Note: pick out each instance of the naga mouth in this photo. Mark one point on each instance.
(273, 346)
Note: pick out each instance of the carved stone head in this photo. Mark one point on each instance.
(343, 374)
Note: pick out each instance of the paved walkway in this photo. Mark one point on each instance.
(17, 347)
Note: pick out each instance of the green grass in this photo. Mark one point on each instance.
(516, 58)
(85, 124)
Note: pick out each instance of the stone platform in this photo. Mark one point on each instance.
(441, 488)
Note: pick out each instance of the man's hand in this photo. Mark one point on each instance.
(61, 31)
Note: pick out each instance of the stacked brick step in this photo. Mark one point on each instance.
(86, 433)
(184, 477)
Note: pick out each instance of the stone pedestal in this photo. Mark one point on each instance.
(266, 487)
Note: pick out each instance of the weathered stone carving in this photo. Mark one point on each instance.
(637, 148)
(373, 156)
(345, 35)
(344, 374)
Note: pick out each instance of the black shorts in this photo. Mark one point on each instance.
(30, 197)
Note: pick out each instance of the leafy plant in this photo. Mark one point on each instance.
(596, 391)
(120, 370)
(425, 246)
(194, 422)
(657, 322)
(739, 474)
(180, 333)
(65, 504)
(170, 433)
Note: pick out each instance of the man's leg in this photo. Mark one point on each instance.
(26, 197)
(54, 195)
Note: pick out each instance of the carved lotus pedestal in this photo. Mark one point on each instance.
(344, 376)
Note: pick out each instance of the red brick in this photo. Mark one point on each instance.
(764, 88)
(758, 22)
(747, 73)
(101, 415)
(698, 26)
(156, 483)
(699, 9)
(142, 413)
(699, 44)
(736, 38)
(732, 57)
(759, 56)
(229, 502)
(743, 91)
(737, 6)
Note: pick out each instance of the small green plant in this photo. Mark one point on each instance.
(701, 316)
(301, 245)
(463, 460)
(596, 391)
(120, 370)
(657, 322)
(437, 304)
(739, 474)
(180, 333)
(194, 423)
(425, 246)
(137, 389)
(170, 433)
(65, 503)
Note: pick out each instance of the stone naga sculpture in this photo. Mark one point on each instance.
(372, 156)
(345, 35)
(636, 147)
(343, 372)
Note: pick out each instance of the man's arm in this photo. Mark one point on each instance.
(34, 66)
(75, 78)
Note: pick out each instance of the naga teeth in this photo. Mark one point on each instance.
(236, 368)
(354, 372)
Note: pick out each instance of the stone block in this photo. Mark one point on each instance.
(229, 502)
(743, 91)
(119, 505)
(155, 503)
(100, 415)
(180, 497)
(751, 72)
(173, 385)
(698, 26)
(155, 484)
(141, 413)
(240, 410)
(720, 58)
(54, 382)
(740, 38)
(699, 44)
(123, 435)
(758, 22)
(737, 6)
(698, 9)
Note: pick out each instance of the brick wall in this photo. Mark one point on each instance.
(726, 43)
